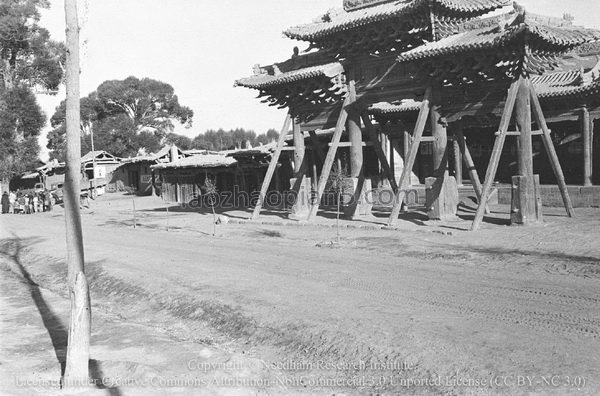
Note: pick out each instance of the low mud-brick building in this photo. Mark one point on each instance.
(408, 80)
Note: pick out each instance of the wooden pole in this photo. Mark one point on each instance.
(466, 154)
(133, 208)
(587, 146)
(78, 348)
(410, 161)
(335, 139)
(272, 166)
(496, 153)
(551, 151)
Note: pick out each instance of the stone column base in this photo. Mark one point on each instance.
(302, 189)
(357, 199)
(441, 198)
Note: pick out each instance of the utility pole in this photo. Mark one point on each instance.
(93, 192)
(78, 348)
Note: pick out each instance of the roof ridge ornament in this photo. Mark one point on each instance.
(351, 5)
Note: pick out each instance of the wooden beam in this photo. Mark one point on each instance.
(496, 153)
(410, 161)
(330, 158)
(349, 144)
(517, 133)
(551, 151)
(272, 166)
(379, 151)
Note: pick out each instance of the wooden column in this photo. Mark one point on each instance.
(523, 119)
(299, 151)
(442, 193)
(587, 146)
(355, 136)
(385, 149)
(299, 184)
(525, 208)
(457, 162)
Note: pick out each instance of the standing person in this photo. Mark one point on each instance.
(13, 201)
(40, 207)
(34, 203)
(21, 200)
(5, 203)
(48, 201)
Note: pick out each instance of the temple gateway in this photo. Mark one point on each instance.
(435, 92)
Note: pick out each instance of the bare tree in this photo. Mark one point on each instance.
(210, 189)
(338, 181)
(78, 349)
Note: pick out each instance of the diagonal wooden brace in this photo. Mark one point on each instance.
(496, 153)
(272, 166)
(408, 165)
(547, 139)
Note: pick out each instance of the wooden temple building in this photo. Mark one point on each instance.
(385, 85)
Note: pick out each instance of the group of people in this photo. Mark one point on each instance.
(20, 203)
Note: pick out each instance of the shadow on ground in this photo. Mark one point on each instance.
(12, 250)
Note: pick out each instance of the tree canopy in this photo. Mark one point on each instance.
(126, 116)
(29, 62)
(235, 138)
(28, 55)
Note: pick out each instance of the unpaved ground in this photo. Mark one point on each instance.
(425, 309)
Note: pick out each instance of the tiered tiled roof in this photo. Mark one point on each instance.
(266, 80)
(497, 43)
(340, 20)
(570, 83)
(302, 80)
(402, 106)
(392, 25)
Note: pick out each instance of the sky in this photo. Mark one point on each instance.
(200, 47)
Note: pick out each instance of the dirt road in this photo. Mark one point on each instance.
(505, 311)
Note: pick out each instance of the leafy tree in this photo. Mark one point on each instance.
(211, 193)
(148, 142)
(181, 141)
(151, 104)
(272, 135)
(235, 138)
(338, 182)
(126, 116)
(29, 61)
(21, 120)
(28, 56)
